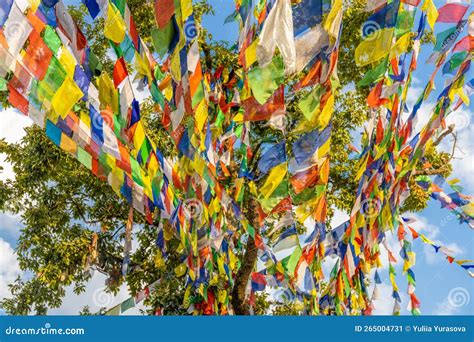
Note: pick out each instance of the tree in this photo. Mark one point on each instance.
(74, 222)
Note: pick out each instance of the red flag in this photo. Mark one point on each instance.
(465, 44)
(164, 10)
(412, 2)
(17, 100)
(374, 99)
(305, 179)
(37, 56)
(120, 72)
(259, 242)
(254, 111)
(415, 303)
(451, 13)
(414, 233)
(401, 233)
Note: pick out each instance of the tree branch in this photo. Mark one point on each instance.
(450, 130)
(239, 301)
(431, 172)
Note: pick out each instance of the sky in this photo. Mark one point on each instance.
(443, 288)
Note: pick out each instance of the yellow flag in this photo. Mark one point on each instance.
(108, 95)
(34, 4)
(306, 210)
(251, 53)
(274, 179)
(142, 66)
(114, 25)
(426, 240)
(66, 97)
(168, 93)
(431, 12)
(199, 165)
(201, 115)
(324, 149)
(186, 8)
(453, 181)
(253, 188)
(325, 115)
(67, 144)
(176, 66)
(68, 61)
(115, 179)
(331, 23)
(468, 208)
(374, 47)
(460, 92)
(139, 136)
(401, 45)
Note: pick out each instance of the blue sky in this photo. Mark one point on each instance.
(437, 280)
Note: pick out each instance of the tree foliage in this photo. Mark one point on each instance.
(73, 223)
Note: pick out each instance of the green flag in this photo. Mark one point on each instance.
(265, 80)
(162, 38)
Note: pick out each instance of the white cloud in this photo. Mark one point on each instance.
(445, 308)
(95, 297)
(12, 130)
(9, 267)
(12, 125)
(10, 225)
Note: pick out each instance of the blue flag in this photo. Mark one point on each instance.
(273, 156)
(305, 146)
(5, 7)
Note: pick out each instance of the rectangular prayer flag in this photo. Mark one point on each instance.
(66, 97)
(451, 13)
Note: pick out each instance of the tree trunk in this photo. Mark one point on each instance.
(239, 302)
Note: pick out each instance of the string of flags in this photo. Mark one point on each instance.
(51, 73)
(459, 204)
(132, 302)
